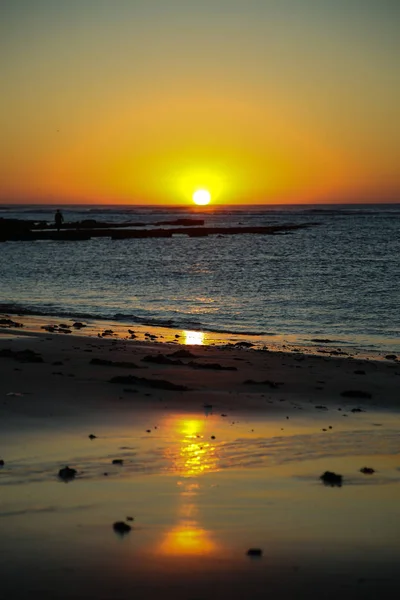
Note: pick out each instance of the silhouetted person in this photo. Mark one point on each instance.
(59, 219)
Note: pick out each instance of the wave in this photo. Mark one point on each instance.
(185, 324)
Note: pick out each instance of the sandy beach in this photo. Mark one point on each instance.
(227, 459)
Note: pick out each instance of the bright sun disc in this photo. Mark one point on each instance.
(201, 197)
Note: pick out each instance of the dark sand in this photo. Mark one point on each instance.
(202, 488)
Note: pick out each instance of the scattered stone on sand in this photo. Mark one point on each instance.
(117, 461)
(92, 436)
(244, 345)
(79, 325)
(331, 479)
(67, 474)
(391, 357)
(271, 384)
(159, 384)
(161, 359)
(121, 527)
(9, 323)
(112, 363)
(322, 341)
(355, 394)
(182, 354)
(367, 471)
(24, 356)
(255, 552)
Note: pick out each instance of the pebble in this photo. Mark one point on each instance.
(67, 474)
(121, 527)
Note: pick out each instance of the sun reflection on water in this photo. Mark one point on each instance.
(187, 538)
(192, 455)
(193, 338)
(191, 458)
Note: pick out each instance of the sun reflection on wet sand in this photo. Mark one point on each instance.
(191, 458)
(193, 338)
(191, 455)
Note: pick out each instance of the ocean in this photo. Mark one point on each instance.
(339, 280)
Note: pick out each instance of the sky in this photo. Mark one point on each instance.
(145, 101)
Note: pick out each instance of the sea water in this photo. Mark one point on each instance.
(339, 279)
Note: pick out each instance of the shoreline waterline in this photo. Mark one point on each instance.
(117, 330)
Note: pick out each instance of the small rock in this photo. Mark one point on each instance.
(356, 410)
(213, 437)
(130, 518)
(92, 436)
(67, 474)
(391, 357)
(121, 527)
(254, 552)
(2, 463)
(367, 471)
(117, 461)
(332, 479)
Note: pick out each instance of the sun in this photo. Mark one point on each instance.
(201, 197)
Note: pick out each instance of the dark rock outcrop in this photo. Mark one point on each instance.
(355, 394)
(158, 384)
(24, 356)
(101, 362)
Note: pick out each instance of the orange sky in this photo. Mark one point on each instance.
(142, 102)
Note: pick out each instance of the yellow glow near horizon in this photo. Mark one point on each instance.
(202, 197)
(133, 107)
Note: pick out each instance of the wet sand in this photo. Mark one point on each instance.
(207, 473)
